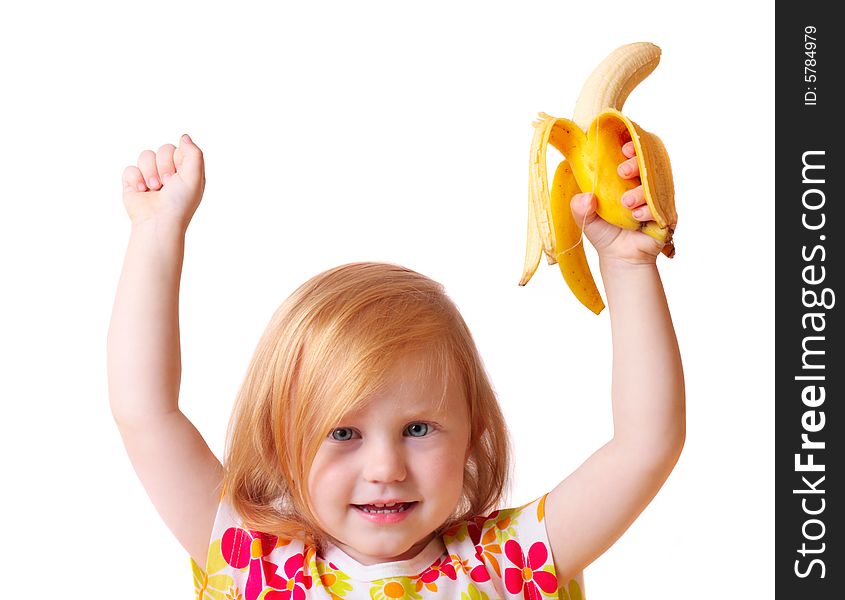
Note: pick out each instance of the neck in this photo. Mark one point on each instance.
(366, 559)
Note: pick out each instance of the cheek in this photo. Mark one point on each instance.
(328, 483)
(442, 469)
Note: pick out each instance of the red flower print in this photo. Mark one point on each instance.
(492, 515)
(241, 548)
(527, 577)
(486, 550)
(479, 574)
(474, 530)
(440, 567)
(293, 588)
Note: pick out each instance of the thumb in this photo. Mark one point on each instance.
(597, 230)
(583, 207)
(188, 160)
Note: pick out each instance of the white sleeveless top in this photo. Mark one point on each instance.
(505, 554)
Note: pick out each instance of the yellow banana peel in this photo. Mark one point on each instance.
(592, 146)
(572, 259)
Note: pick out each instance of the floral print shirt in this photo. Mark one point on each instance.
(505, 554)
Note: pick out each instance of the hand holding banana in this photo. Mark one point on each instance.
(626, 215)
(609, 240)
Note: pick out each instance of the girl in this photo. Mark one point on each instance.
(367, 452)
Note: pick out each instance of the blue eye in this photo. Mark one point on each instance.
(342, 434)
(417, 429)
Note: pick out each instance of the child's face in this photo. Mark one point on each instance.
(397, 447)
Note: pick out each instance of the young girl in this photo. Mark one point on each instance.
(367, 453)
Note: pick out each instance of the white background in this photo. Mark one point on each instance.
(388, 131)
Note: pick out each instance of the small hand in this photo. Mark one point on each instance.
(166, 186)
(609, 240)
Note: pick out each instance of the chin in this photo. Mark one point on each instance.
(388, 550)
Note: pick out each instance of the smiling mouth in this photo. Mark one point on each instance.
(371, 509)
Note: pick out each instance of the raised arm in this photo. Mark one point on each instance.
(588, 511)
(179, 472)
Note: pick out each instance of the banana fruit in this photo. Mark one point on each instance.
(592, 146)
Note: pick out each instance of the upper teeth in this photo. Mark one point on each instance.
(385, 505)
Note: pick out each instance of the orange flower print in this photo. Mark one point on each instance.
(506, 523)
(335, 581)
(541, 509)
(396, 588)
(527, 576)
(457, 532)
(234, 594)
(460, 564)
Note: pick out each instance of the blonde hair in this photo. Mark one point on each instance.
(326, 349)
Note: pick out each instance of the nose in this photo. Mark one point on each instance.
(384, 462)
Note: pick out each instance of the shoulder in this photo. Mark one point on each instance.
(524, 522)
(503, 524)
(509, 543)
(521, 536)
(237, 554)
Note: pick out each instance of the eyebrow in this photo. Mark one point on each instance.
(423, 412)
(429, 408)
(434, 410)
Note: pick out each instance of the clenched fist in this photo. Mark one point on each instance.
(166, 186)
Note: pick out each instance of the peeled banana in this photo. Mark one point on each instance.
(592, 146)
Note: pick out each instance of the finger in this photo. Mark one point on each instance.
(583, 208)
(643, 213)
(133, 181)
(628, 169)
(147, 164)
(164, 162)
(629, 150)
(634, 198)
(189, 159)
